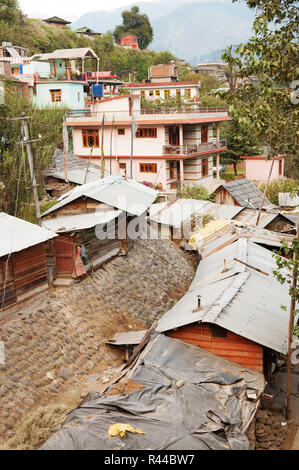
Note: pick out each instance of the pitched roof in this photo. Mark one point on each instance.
(77, 53)
(162, 84)
(174, 213)
(236, 297)
(69, 223)
(246, 193)
(56, 19)
(17, 234)
(128, 34)
(116, 191)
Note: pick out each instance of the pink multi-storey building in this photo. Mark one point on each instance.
(167, 145)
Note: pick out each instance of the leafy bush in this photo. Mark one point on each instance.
(193, 192)
(281, 185)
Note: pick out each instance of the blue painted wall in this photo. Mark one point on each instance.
(72, 94)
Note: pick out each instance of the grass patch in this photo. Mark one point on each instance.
(36, 427)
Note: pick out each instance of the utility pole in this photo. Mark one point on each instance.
(265, 192)
(65, 151)
(27, 141)
(102, 149)
(291, 324)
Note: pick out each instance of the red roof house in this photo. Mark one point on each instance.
(129, 41)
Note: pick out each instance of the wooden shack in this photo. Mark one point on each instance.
(224, 343)
(25, 253)
(94, 217)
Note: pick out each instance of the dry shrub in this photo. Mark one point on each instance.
(36, 427)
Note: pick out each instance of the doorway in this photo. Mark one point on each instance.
(204, 133)
(174, 136)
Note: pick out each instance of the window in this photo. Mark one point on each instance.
(166, 94)
(178, 93)
(148, 167)
(151, 93)
(121, 131)
(55, 96)
(90, 138)
(187, 92)
(157, 92)
(218, 332)
(123, 166)
(204, 167)
(146, 133)
(142, 93)
(79, 97)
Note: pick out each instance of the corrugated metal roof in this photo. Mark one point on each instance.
(236, 297)
(129, 338)
(68, 223)
(77, 175)
(76, 53)
(249, 217)
(174, 213)
(287, 200)
(246, 193)
(116, 191)
(17, 234)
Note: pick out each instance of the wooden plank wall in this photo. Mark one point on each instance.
(30, 269)
(27, 271)
(65, 246)
(235, 348)
(94, 247)
(7, 288)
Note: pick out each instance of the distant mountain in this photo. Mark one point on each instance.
(196, 31)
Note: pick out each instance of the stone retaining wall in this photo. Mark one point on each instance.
(64, 338)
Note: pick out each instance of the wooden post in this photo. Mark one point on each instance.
(102, 150)
(26, 137)
(264, 195)
(65, 151)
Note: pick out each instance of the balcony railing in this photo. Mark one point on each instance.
(190, 149)
(183, 110)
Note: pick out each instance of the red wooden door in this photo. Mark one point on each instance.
(65, 254)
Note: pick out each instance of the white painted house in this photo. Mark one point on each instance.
(167, 146)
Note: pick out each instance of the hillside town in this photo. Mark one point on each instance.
(148, 248)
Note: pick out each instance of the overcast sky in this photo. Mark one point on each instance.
(68, 9)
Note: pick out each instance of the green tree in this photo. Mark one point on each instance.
(9, 11)
(271, 55)
(241, 141)
(207, 83)
(137, 24)
(45, 127)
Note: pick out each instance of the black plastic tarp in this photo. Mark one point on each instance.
(191, 400)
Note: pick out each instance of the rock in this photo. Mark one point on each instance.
(64, 373)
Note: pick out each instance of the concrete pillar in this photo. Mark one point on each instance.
(181, 137)
(217, 166)
(182, 171)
